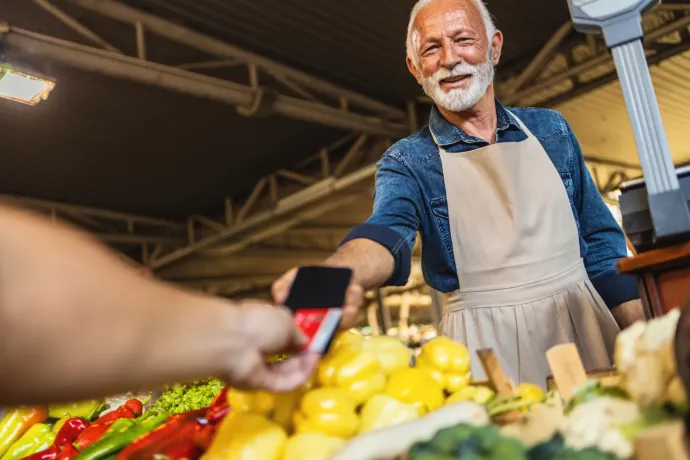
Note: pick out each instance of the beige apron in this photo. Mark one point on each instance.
(523, 285)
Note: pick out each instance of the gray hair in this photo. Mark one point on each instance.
(413, 34)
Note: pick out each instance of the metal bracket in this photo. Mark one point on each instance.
(261, 105)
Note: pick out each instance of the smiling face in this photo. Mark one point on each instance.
(453, 58)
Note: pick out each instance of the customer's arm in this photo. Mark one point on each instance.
(76, 322)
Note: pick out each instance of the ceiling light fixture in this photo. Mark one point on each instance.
(23, 87)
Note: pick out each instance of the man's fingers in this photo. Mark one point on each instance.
(354, 296)
(349, 317)
(281, 287)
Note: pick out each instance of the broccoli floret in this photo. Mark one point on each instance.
(555, 449)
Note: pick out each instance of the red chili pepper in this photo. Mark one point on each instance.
(67, 452)
(184, 449)
(134, 405)
(178, 428)
(50, 453)
(219, 407)
(98, 428)
(66, 436)
(70, 431)
(204, 436)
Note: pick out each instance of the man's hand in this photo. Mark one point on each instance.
(265, 330)
(627, 313)
(353, 298)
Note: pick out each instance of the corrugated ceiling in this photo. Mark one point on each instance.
(120, 145)
(357, 43)
(601, 123)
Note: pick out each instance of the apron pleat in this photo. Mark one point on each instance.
(522, 334)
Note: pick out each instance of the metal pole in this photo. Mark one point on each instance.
(95, 60)
(120, 12)
(384, 312)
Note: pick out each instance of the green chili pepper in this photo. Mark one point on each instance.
(120, 425)
(88, 410)
(29, 443)
(122, 436)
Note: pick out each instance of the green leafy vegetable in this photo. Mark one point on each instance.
(180, 398)
(466, 441)
(593, 390)
(555, 449)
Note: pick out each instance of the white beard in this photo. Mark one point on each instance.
(458, 99)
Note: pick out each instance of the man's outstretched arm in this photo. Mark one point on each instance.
(76, 322)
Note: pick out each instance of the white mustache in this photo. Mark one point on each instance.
(457, 71)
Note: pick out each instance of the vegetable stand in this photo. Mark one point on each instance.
(366, 401)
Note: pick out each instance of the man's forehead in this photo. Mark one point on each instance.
(439, 15)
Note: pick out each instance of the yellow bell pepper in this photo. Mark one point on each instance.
(478, 394)
(391, 353)
(312, 446)
(354, 370)
(255, 402)
(382, 411)
(345, 339)
(415, 387)
(245, 436)
(529, 392)
(329, 411)
(448, 362)
(285, 406)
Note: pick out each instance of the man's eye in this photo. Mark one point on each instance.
(429, 50)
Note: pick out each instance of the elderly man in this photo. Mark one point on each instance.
(511, 222)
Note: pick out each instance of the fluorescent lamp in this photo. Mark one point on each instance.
(21, 87)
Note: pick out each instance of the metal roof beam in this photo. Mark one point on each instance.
(115, 65)
(161, 27)
(75, 25)
(53, 207)
(590, 64)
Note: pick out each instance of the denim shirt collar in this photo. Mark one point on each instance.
(448, 134)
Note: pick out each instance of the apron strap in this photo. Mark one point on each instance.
(521, 124)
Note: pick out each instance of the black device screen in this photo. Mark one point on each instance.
(319, 287)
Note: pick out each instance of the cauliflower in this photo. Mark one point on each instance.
(595, 424)
(645, 358)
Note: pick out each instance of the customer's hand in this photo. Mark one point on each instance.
(265, 330)
(353, 298)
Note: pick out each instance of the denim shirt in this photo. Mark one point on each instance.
(410, 196)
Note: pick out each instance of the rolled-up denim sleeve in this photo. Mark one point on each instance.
(395, 218)
(604, 238)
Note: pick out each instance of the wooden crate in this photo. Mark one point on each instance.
(607, 377)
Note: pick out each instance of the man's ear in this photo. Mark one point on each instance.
(413, 70)
(497, 45)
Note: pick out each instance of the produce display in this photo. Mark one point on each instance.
(370, 400)
(180, 398)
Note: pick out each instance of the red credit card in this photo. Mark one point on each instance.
(320, 325)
